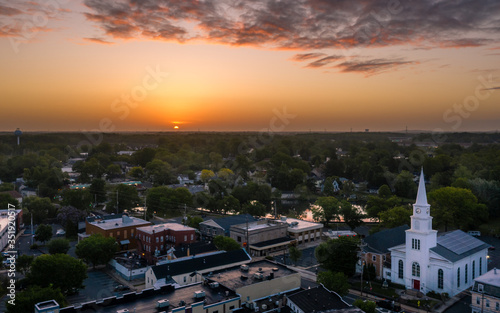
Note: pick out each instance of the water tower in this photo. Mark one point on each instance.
(18, 133)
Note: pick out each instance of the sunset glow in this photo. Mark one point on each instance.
(236, 65)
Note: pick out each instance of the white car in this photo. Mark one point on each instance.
(60, 232)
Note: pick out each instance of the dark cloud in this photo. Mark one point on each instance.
(324, 61)
(303, 24)
(373, 66)
(99, 40)
(5, 10)
(306, 56)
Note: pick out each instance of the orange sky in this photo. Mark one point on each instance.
(81, 68)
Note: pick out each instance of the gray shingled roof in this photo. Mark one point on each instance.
(228, 221)
(318, 299)
(446, 247)
(383, 240)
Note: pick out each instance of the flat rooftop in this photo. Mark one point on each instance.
(119, 223)
(233, 277)
(296, 225)
(165, 226)
(490, 278)
(259, 225)
(148, 303)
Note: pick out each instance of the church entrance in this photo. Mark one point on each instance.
(416, 284)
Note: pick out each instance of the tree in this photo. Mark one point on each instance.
(97, 190)
(23, 263)
(457, 207)
(39, 208)
(26, 299)
(136, 172)
(369, 272)
(405, 186)
(225, 174)
(375, 205)
(194, 221)
(384, 191)
(69, 217)
(255, 208)
(58, 271)
(366, 306)
(125, 197)
(160, 172)
(294, 253)
(162, 198)
(328, 209)
(395, 217)
(353, 217)
(334, 281)
(79, 198)
(6, 199)
(339, 255)
(226, 243)
(43, 233)
(96, 249)
(58, 245)
(113, 170)
(206, 175)
(230, 204)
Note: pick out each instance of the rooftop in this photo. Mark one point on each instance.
(258, 225)
(162, 227)
(228, 221)
(113, 223)
(296, 225)
(318, 299)
(234, 278)
(456, 245)
(490, 281)
(383, 240)
(200, 264)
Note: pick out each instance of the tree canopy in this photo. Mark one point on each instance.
(96, 249)
(339, 255)
(43, 233)
(226, 243)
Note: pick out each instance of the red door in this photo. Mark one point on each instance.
(416, 284)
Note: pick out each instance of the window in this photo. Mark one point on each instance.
(231, 307)
(458, 277)
(111, 234)
(157, 239)
(415, 269)
(415, 244)
(400, 269)
(478, 300)
(466, 273)
(238, 239)
(440, 278)
(125, 234)
(185, 238)
(374, 258)
(497, 306)
(192, 237)
(184, 278)
(384, 258)
(487, 303)
(161, 238)
(473, 269)
(480, 266)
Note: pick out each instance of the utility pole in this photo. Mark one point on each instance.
(145, 207)
(362, 245)
(117, 202)
(248, 246)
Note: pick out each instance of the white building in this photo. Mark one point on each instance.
(448, 263)
(485, 294)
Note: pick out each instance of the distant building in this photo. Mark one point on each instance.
(426, 262)
(14, 194)
(302, 231)
(485, 292)
(376, 249)
(262, 237)
(220, 226)
(50, 306)
(121, 227)
(189, 271)
(156, 240)
(4, 225)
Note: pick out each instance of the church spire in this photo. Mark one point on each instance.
(421, 194)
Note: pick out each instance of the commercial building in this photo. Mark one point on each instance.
(189, 271)
(221, 226)
(155, 240)
(485, 292)
(9, 218)
(262, 237)
(302, 231)
(121, 227)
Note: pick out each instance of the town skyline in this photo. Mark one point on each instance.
(236, 66)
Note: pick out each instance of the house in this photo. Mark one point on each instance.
(14, 194)
(156, 240)
(485, 293)
(376, 248)
(262, 237)
(120, 226)
(27, 191)
(189, 271)
(220, 226)
(184, 180)
(448, 263)
(318, 299)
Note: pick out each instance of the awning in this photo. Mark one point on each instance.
(125, 242)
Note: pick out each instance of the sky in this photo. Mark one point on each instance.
(223, 65)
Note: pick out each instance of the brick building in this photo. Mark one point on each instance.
(155, 240)
(262, 237)
(121, 227)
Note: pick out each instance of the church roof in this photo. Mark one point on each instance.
(457, 245)
(383, 240)
(421, 194)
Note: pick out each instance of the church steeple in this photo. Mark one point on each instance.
(421, 194)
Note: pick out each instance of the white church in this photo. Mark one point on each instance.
(428, 262)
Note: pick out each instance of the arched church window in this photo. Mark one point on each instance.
(466, 272)
(400, 269)
(473, 269)
(440, 278)
(415, 269)
(480, 266)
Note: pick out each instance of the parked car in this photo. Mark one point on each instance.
(121, 288)
(390, 305)
(60, 232)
